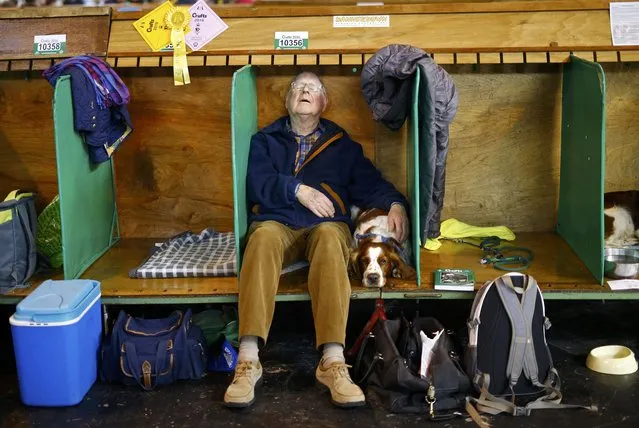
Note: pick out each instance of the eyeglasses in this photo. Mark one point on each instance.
(311, 87)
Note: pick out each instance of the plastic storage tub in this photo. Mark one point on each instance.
(56, 334)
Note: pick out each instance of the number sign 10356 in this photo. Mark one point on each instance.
(291, 40)
(291, 43)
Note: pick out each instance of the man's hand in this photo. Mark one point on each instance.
(315, 201)
(398, 222)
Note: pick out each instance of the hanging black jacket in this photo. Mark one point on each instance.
(386, 83)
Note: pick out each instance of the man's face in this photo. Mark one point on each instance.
(306, 96)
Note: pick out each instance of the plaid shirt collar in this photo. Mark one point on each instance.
(313, 136)
(304, 142)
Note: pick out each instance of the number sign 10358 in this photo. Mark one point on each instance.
(50, 44)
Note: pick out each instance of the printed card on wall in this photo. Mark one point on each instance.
(359, 21)
(624, 23)
(205, 25)
(153, 28)
(291, 40)
(50, 44)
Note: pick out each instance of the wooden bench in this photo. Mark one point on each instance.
(560, 274)
(174, 173)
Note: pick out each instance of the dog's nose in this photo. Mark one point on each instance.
(373, 278)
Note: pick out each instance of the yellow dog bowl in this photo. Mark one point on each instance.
(613, 359)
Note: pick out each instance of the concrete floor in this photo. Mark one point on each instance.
(289, 398)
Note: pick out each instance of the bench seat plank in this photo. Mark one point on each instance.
(556, 268)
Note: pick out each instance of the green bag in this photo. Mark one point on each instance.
(49, 239)
(219, 324)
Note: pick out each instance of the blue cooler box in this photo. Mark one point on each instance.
(56, 337)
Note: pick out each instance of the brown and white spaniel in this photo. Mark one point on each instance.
(377, 254)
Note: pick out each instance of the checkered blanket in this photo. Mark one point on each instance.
(210, 253)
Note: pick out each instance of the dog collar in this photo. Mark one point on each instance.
(386, 240)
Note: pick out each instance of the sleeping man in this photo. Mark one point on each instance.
(304, 174)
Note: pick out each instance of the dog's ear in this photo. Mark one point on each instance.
(353, 266)
(400, 269)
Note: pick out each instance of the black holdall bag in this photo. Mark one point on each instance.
(508, 359)
(388, 362)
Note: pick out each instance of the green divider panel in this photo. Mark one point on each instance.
(87, 191)
(413, 176)
(243, 126)
(580, 218)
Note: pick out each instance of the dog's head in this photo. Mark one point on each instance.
(375, 262)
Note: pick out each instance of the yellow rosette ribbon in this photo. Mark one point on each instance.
(177, 19)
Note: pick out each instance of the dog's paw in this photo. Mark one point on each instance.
(620, 242)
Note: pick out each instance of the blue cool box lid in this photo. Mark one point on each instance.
(57, 301)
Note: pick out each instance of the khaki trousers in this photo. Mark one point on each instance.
(271, 245)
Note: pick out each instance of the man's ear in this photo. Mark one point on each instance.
(354, 264)
(324, 102)
(401, 270)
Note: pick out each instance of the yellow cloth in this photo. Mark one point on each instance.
(432, 244)
(7, 215)
(453, 228)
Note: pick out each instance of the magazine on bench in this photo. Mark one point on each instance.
(454, 279)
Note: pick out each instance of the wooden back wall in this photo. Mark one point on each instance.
(174, 172)
(27, 151)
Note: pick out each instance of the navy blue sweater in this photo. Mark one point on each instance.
(336, 166)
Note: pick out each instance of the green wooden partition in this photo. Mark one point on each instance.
(413, 176)
(243, 126)
(88, 210)
(580, 215)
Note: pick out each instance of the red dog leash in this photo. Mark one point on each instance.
(378, 314)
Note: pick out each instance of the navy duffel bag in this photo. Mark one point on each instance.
(152, 352)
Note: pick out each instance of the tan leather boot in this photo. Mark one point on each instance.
(241, 392)
(344, 392)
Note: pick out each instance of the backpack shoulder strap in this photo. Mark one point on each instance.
(522, 354)
(522, 350)
(29, 221)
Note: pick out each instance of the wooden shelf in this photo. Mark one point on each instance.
(87, 31)
(522, 32)
(112, 271)
(559, 272)
(273, 9)
(358, 57)
(555, 266)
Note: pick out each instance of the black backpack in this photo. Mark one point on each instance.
(507, 358)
